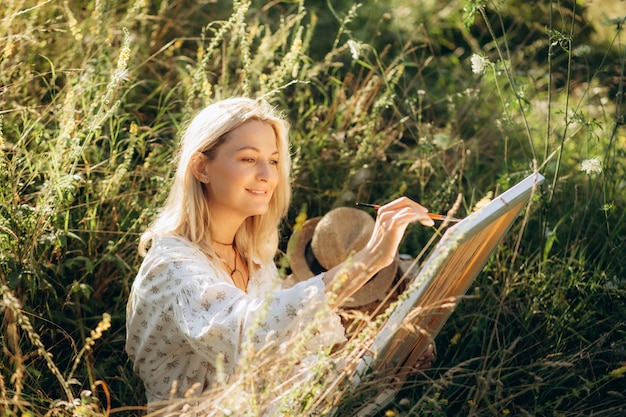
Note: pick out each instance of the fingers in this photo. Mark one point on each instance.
(391, 222)
(422, 364)
(403, 211)
(426, 360)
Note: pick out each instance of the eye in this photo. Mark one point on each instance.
(248, 159)
(274, 161)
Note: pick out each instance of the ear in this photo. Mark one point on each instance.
(199, 165)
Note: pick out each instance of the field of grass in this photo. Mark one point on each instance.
(421, 98)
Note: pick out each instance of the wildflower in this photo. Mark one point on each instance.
(479, 64)
(73, 24)
(483, 201)
(207, 88)
(134, 129)
(96, 333)
(582, 50)
(354, 48)
(618, 372)
(591, 166)
(608, 206)
(405, 402)
(121, 72)
(300, 219)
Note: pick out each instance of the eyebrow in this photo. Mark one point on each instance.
(253, 148)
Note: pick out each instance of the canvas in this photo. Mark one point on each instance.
(435, 290)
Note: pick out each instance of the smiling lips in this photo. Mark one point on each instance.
(257, 192)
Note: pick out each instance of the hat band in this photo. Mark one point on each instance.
(312, 261)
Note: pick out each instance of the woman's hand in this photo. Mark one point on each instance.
(425, 361)
(391, 222)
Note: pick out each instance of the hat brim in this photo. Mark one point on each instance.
(374, 290)
(296, 249)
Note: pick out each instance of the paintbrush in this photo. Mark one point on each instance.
(433, 216)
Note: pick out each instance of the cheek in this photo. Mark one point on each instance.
(220, 185)
(275, 177)
(223, 174)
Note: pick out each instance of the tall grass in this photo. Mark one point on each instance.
(92, 97)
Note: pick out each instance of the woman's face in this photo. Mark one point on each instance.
(244, 173)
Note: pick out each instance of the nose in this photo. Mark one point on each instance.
(266, 172)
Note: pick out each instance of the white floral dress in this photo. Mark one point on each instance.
(184, 313)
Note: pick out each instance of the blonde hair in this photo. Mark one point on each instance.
(186, 213)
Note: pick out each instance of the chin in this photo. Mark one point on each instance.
(259, 210)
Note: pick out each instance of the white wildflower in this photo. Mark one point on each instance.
(479, 64)
(591, 166)
(355, 48)
(582, 51)
(483, 201)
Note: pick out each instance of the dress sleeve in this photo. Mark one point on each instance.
(216, 317)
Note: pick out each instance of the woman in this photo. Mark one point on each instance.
(208, 277)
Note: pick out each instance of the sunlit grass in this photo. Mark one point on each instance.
(92, 98)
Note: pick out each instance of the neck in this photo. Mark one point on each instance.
(223, 230)
(223, 237)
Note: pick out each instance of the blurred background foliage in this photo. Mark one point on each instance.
(383, 102)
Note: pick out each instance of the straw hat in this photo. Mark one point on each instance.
(324, 242)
